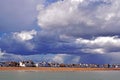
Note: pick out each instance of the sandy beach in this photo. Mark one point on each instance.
(55, 69)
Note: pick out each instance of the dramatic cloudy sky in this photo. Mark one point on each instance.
(64, 31)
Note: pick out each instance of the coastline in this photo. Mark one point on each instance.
(55, 69)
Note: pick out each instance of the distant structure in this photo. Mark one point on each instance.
(30, 63)
(26, 63)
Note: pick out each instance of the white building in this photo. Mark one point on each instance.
(39, 65)
(26, 64)
(42, 64)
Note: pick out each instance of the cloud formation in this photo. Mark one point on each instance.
(78, 17)
(1, 53)
(24, 35)
(65, 58)
(18, 42)
(100, 45)
(71, 30)
(43, 47)
(60, 58)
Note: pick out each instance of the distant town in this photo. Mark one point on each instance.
(30, 63)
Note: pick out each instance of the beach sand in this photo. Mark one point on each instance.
(55, 69)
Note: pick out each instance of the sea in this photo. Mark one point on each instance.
(40, 75)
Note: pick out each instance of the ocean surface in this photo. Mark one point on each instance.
(31, 75)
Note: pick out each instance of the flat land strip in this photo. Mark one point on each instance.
(55, 69)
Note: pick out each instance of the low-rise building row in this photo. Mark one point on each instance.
(53, 64)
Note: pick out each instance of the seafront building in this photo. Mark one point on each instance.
(30, 63)
(26, 63)
(42, 64)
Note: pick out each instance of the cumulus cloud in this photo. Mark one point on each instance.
(1, 53)
(59, 58)
(73, 20)
(21, 42)
(59, 14)
(78, 17)
(24, 35)
(24, 38)
(73, 50)
(100, 45)
(34, 42)
(94, 51)
(66, 58)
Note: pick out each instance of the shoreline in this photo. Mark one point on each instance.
(55, 69)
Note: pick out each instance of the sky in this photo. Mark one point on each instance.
(64, 31)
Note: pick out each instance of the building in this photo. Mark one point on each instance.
(10, 64)
(1, 64)
(106, 66)
(42, 64)
(26, 64)
(54, 64)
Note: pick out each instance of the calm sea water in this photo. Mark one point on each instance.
(102, 75)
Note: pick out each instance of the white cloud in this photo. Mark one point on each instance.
(66, 58)
(100, 45)
(59, 58)
(76, 1)
(60, 13)
(24, 35)
(100, 41)
(1, 53)
(94, 51)
(81, 17)
(109, 16)
(24, 38)
(76, 59)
